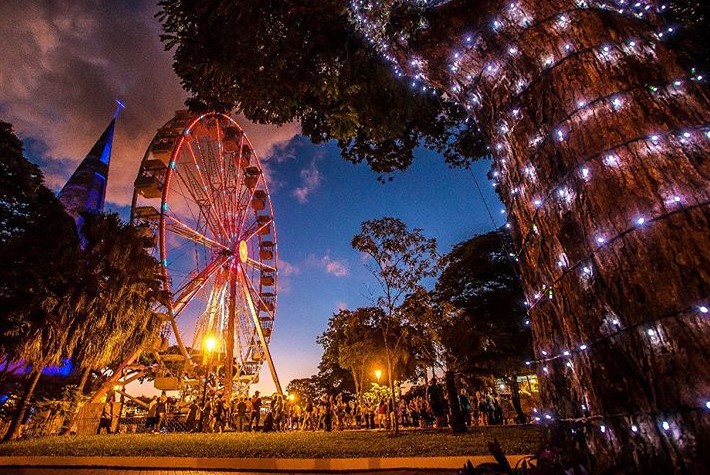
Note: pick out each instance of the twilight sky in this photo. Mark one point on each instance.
(65, 61)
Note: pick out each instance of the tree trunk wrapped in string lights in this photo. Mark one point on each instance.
(601, 143)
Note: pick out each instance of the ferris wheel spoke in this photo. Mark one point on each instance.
(209, 166)
(183, 296)
(260, 265)
(257, 228)
(209, 218)
(182, 229)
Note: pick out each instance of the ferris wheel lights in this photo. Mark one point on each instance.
(210, 344)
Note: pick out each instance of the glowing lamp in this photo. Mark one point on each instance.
(210, 344)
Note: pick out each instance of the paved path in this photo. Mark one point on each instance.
(106, 471)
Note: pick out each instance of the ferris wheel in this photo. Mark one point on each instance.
(202, 191)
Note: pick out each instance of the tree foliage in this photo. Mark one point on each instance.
(299, 60)
(485, 332)
(36, 266)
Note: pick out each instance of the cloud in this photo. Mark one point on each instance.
(65, 63)
(286, 269)
(311, 179)
(330, 265)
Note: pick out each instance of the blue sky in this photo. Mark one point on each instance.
(67, 63)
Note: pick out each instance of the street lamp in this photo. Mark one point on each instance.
(210, 344)
(378, 375)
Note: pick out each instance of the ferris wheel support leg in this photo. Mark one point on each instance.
(229, 363)
(111, 382)
(178, 339)
(264, 346)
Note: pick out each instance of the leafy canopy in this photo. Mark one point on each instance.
(302, 60)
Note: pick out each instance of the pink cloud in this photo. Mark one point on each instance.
(286, 269)
(311, 179)
(67, 63)
(329, 265)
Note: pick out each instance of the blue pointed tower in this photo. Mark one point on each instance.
(86, 188)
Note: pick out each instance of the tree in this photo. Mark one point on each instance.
(428, 319)
(564, 149)
(36, 270)
(121, 282)
(305, 388)
(357, 342)
(487, 333)
(402, 259)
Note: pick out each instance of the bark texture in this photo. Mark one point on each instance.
(601, 142)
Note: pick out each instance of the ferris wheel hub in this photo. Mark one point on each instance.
(243, 251)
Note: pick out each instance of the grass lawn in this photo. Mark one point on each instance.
(515, 440)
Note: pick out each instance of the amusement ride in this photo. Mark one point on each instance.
(202, 193)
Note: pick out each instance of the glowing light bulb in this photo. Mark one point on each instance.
(707, 404)
(640, 220)
(582, 347)
(544, 353)
(666, 425)
(634, 428)
(566, 353)
(600, 239)
(703, 309)
(602, 428)
(650, 332)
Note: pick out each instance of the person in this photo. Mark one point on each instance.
(106, 418)
(241, 414)
(152, 420)
(255, 411)
(278, 409)
(435, 398)
(269, 422)
(295, 416)
(161, 410)
(308, 416)
(465, 408)
(381, 415)
(193, 414)
(475, 407)
(220, 414)
(206, 419)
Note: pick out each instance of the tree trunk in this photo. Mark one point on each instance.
(515, 396)
(457, 423)
(393, 397)
(73, 412)
(601, 143)
(13, 431)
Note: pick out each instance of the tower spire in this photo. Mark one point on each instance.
(86, 188)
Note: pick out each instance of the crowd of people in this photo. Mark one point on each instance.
(326, 413)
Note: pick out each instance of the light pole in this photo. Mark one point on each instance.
(210, 345)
